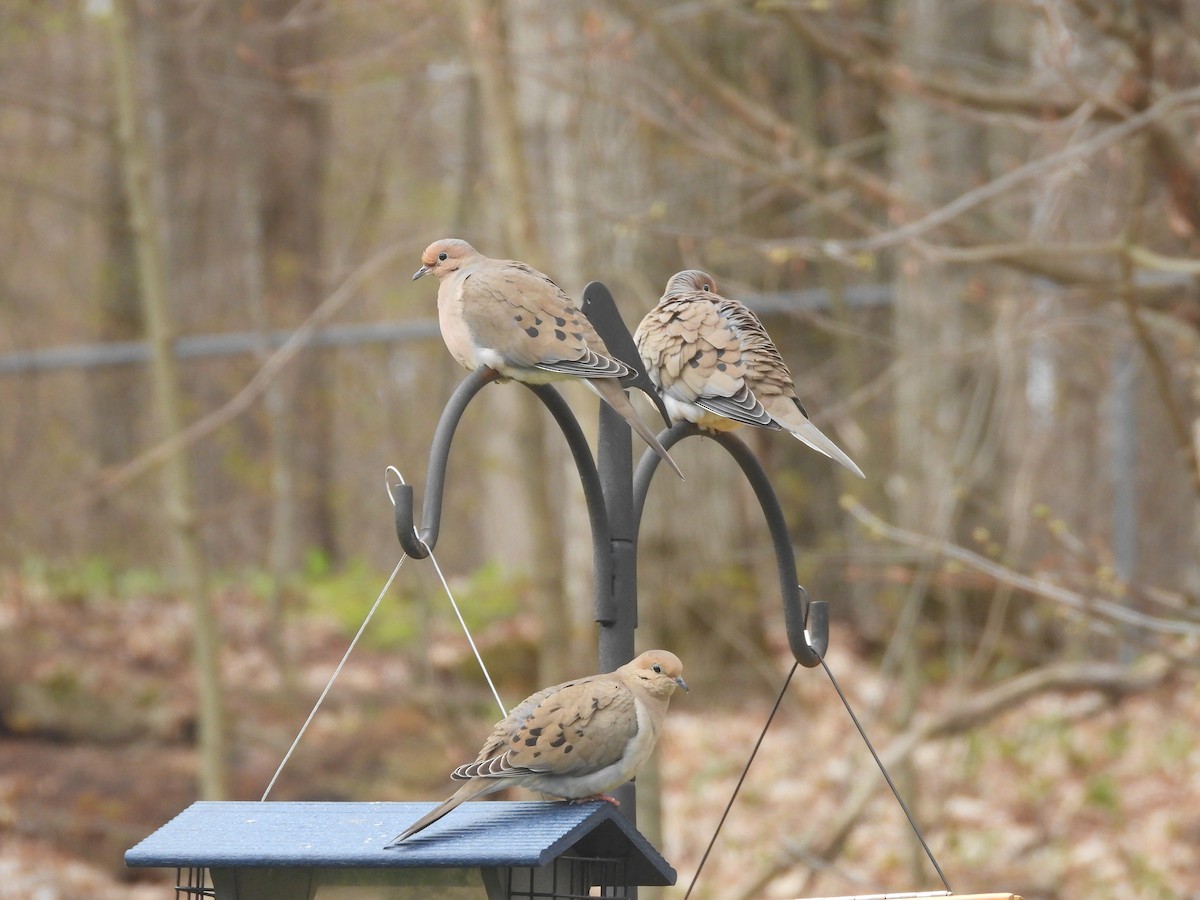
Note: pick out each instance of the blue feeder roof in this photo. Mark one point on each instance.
(252, 834)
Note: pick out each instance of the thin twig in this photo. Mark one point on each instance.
(1166, 394)
(144, 462)
(1035, 585)
(1006, 182)
(859, 62)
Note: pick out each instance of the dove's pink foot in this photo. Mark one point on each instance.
(605, 797)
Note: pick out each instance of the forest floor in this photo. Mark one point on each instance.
(1068, 795)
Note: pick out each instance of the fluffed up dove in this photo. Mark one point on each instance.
(577, 740)
(509, 316)
(715, 365)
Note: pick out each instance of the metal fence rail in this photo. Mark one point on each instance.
(122, 353)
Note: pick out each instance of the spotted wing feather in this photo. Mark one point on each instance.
(693, 354)
(571, 729)
(532, 323)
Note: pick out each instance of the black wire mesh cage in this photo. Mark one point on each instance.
(570, 877)
(193, 882)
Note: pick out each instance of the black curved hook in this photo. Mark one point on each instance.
(418, 545)
(798, 612)
(616, 604)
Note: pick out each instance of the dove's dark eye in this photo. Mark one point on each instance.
(442, 256)
(706, 286)
(656, 668)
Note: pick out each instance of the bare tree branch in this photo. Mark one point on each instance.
(1160, 369)
(1035, 585)
(1006, 182)
(777, 131)
(253, 389)
(1144, 258)
(859, 62)
(49, 105)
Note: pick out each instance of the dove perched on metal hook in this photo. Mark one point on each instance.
(715, 365)
(509, 316)
(577, 740)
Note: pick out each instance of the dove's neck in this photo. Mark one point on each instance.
(452, 318)
(649, 722)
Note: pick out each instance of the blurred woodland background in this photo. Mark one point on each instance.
(973, 228)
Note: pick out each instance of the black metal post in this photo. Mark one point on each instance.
(616, 478)
(616, 496)
(615, 461)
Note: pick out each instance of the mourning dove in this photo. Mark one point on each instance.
(714, 364)
(509, 316)
(577, 740)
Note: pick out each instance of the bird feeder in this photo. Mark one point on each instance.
(327, 851)
(334, 851)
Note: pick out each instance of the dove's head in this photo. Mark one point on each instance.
(690, 280)
(444, 257)
(658, 671)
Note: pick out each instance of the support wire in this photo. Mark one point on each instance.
(879, 762)
(886, 777)
(363, 627)
(745, 771)
(332, 678)
(470, 640)
(487, 676)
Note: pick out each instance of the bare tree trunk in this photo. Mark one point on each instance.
(932, 160)
(120, 319)
(520, 474)
(146, 226)
(554, 110)
(486, 36)
(283, 539)
(296, 128)
(117, 395)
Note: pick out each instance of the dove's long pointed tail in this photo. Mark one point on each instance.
(611, 393)
(810, 434)
(475, 788)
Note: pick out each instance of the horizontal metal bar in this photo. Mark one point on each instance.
(121, 353)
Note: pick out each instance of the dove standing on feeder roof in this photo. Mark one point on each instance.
(715, 365)
(577, 740)
(509, 316)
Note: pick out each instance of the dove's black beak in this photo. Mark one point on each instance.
(683, 684)
(421, 271)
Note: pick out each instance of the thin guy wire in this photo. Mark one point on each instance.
(461, 621)
(333, 677)
(470, 640)
(737, 787)
(888, 778)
